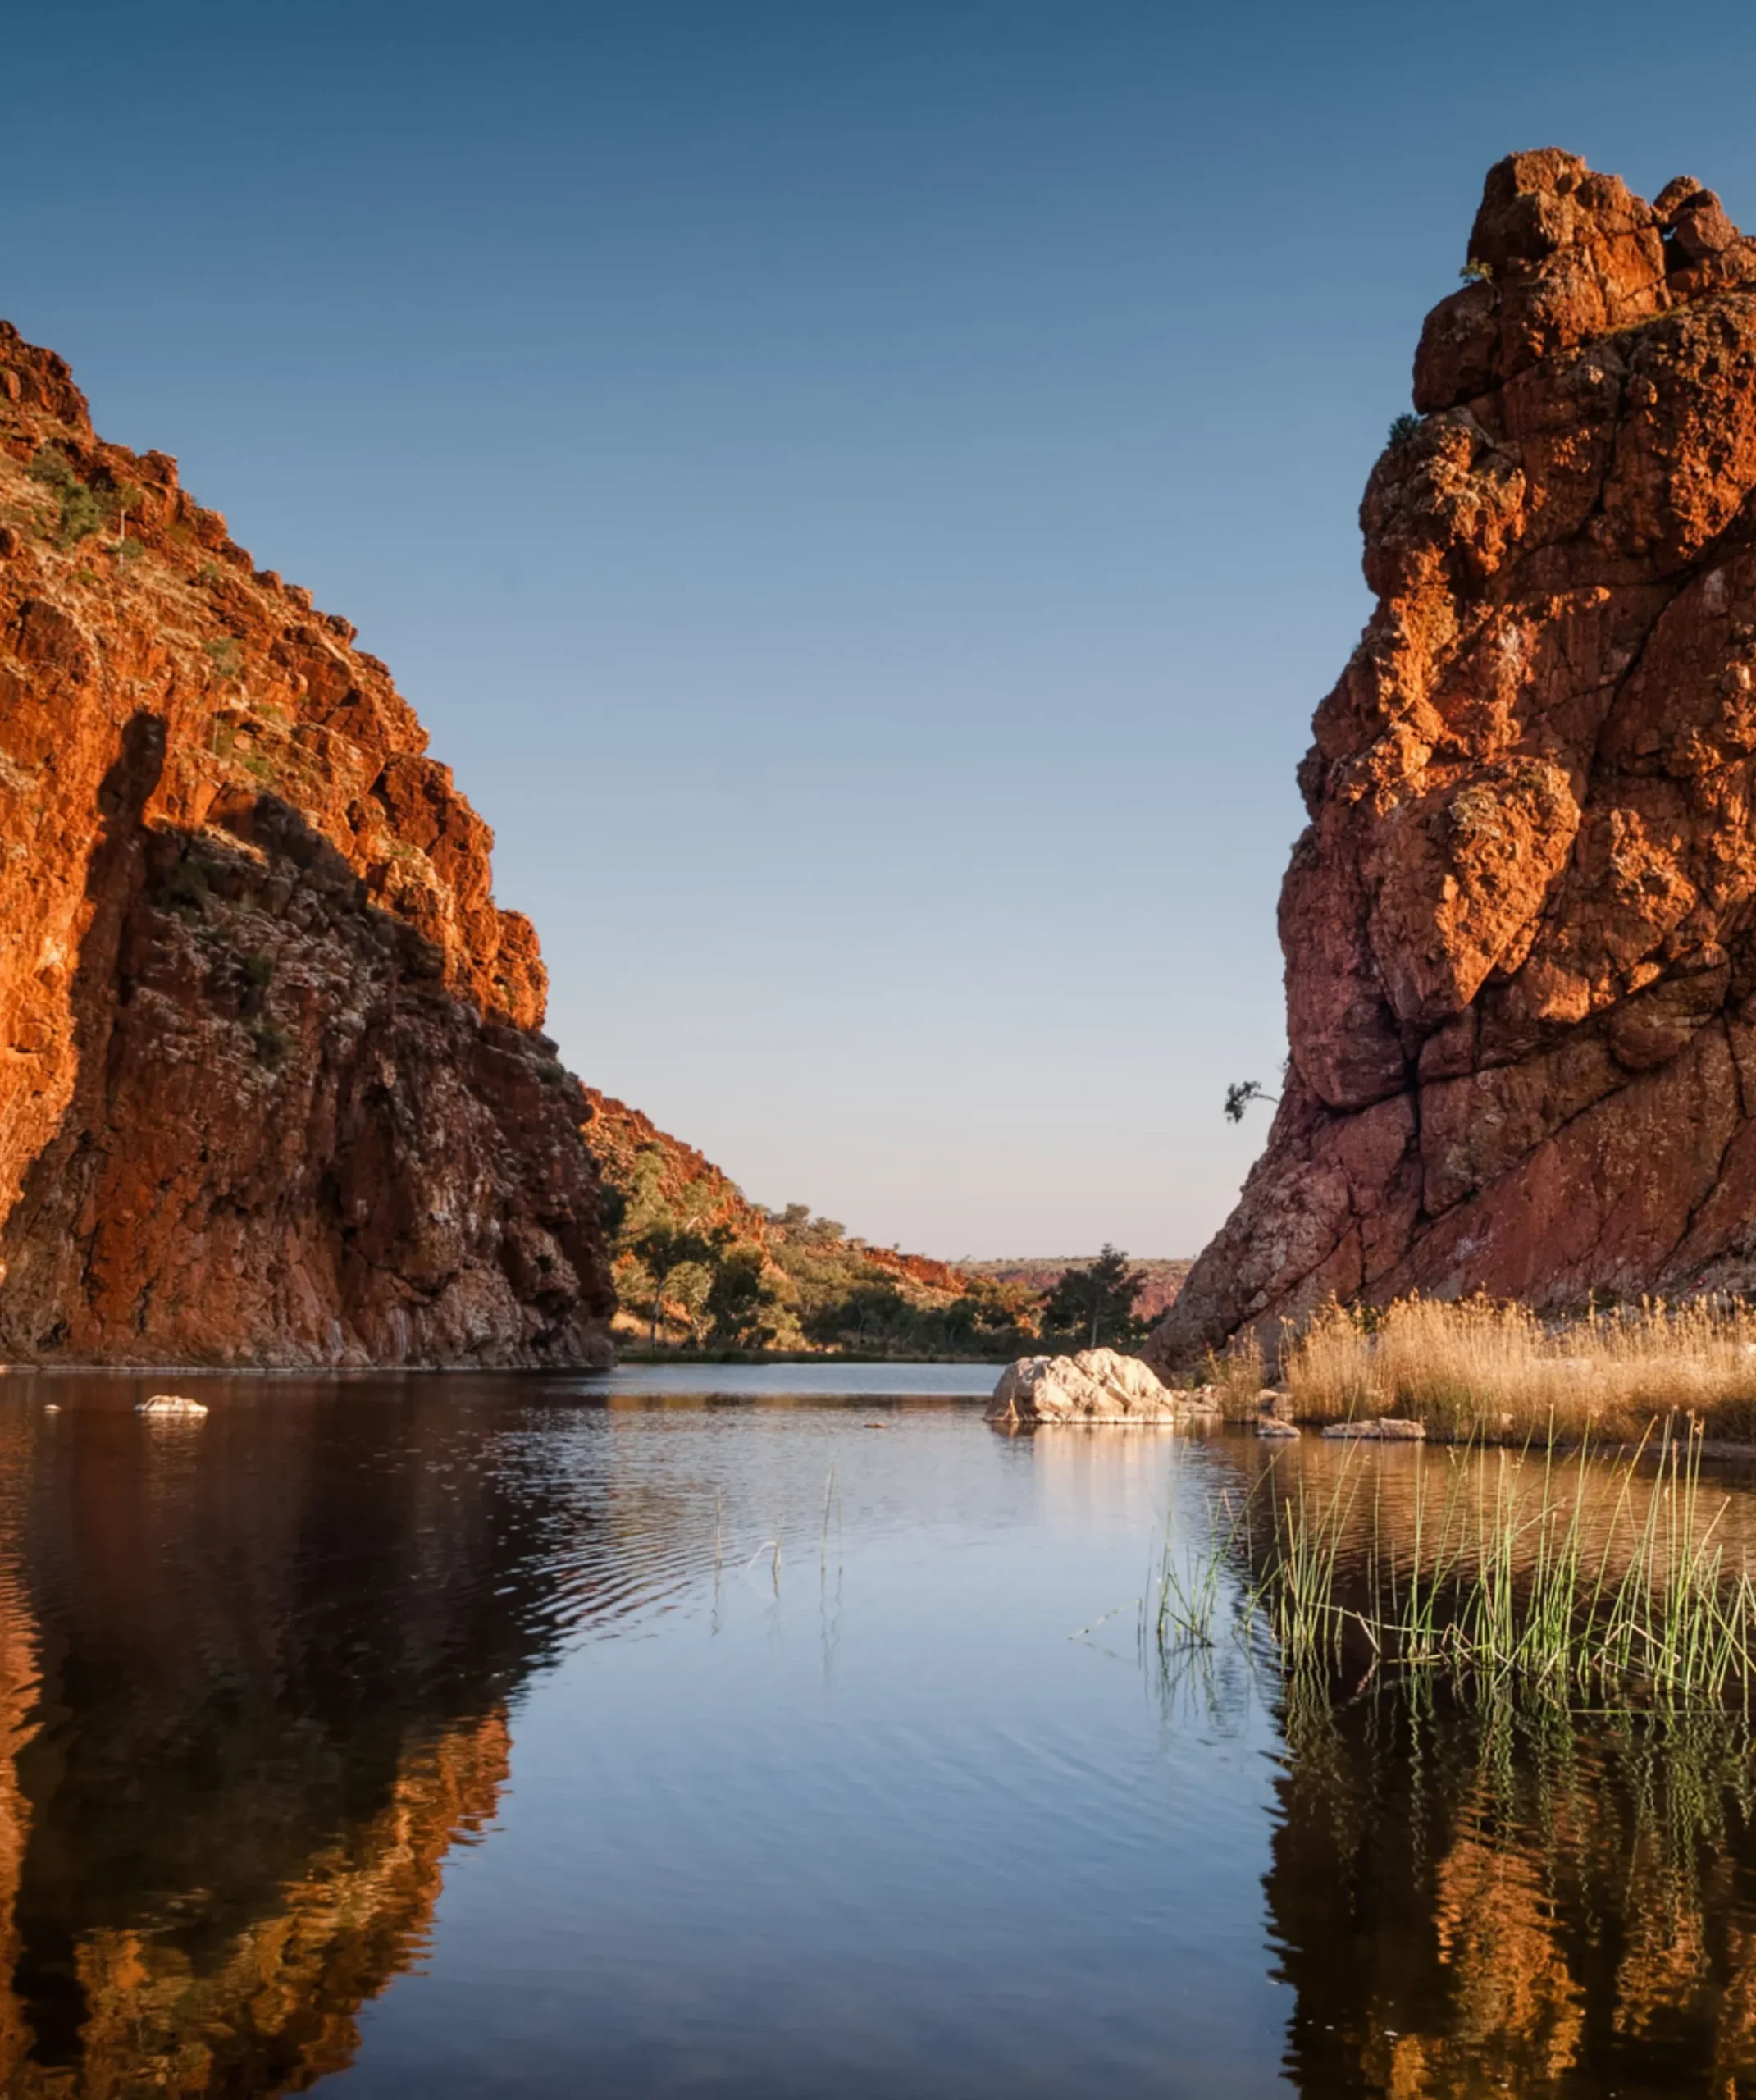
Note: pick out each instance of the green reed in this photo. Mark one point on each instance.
(1183, 1593)
(1500, 1571)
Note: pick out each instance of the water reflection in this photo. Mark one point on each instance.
(253, 1683)
(863, 1818)
(1480, 1889)
(1479, 1899)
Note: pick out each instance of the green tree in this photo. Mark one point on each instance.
(662, 1250)
(1095, 1304)
(862, 1316)
(737, 1299)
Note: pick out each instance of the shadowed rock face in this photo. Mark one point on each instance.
(272, 1084)
(1520, 968)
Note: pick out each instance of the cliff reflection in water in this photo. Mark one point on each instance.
(254, 1681)
(1476, 1891)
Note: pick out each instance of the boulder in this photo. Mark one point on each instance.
(1388, 1429)
(167, 1405)
(1096, 1385)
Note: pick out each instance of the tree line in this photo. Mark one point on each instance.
(705, 1283)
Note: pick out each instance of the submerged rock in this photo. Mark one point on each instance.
(1388, 1429)
(171, 1403)
(1096, 1385)
(1520, 929)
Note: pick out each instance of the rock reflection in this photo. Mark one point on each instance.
(253, 1684)
(1474, 1891)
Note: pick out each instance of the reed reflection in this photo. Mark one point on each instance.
(1488, 1875)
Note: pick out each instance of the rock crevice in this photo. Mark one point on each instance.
(1520, 978)
(273, 1088)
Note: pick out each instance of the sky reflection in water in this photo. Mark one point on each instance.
(468, 1736)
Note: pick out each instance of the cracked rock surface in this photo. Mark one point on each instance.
(272, 1083)
(1520, 969)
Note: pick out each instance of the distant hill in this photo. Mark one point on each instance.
(1040, 1272)
(824, 1290)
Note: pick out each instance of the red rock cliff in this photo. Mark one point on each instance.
(1521, 968)
(272, 1085)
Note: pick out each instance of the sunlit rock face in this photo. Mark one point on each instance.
(237, 1739)
(272, 1086)
(1517, 929)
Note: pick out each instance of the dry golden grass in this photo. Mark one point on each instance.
(1478, 1367)
(1237, 1377)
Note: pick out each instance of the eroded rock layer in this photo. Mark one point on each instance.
(272, 1082)
(1520, 964)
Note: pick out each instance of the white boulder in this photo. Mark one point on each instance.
(1098, 1384)
(171, 1403)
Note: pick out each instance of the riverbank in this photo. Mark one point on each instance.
(1478, 1369)
(646, 1354)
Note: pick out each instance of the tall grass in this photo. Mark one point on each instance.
(1477, 1368)
(1535, 1569)
(1236, 1376)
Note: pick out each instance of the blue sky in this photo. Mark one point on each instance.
(863, 496)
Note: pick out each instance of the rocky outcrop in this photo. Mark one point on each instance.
(272, 1086)
(1520, 965)
(1097, 1385)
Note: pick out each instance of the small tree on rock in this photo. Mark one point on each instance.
(1239, 1095)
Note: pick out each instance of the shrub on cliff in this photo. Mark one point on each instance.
(1239, 1095)
(80, 509)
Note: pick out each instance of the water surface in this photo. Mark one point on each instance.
(703, 1733)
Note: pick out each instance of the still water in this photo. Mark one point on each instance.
(557, 1736)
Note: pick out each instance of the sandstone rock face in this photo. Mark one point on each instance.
(272, 1085)
(1097, 1385)
(1520, 970)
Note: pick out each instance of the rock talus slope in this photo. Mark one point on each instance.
(272, 1087)
(1520, 965)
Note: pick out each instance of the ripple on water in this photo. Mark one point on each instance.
(661, 1744)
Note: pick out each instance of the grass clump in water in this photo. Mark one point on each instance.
(1551, 1572)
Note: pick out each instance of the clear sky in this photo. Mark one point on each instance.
(863, 495)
